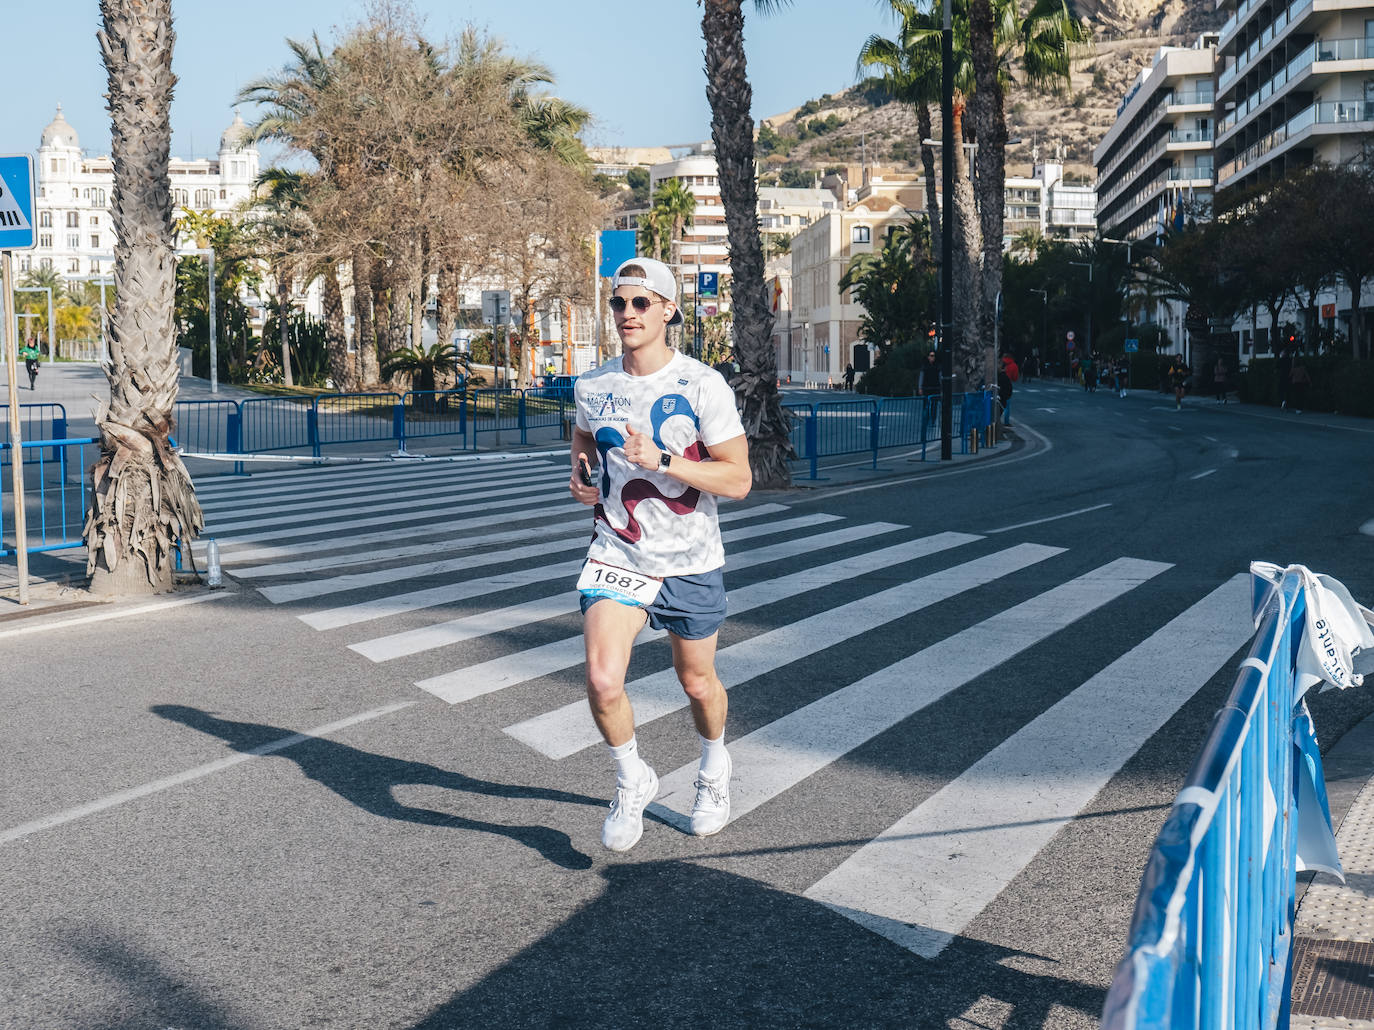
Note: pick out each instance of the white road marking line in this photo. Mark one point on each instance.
(294, 478)
(119, 613)
(428, 597)
(567, 730)
(400, 508)
(1202, 474)
(246, 491)
(531, 503)
(426, 489)
(1213, 439)
(445, 528)
(923, 880)
(786, 751)
(396, 573)
(464, 543)
(186, 776)
(452, 631)
(477, 680)
(1176, 429)
(1368, 528)
(1049, 518)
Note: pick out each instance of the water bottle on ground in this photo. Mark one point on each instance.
(213, 573)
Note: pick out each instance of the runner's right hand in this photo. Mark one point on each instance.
(582, 493)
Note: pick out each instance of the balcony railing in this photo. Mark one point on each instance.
(1358, 49)
(1281, 21)
(1190, 136)
(1191, 96)
(1299, 63)
(1195, 173)
(1334, 112)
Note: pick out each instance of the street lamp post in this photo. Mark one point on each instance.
(947, 235)
(1088, 343)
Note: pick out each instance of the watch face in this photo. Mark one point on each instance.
(664, 459)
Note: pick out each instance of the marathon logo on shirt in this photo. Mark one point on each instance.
(608, 404)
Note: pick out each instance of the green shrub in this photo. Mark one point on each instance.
(1339, 384)
(896, 373)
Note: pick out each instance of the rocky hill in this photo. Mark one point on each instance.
(846, 128)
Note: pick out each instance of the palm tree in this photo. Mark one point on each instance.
(422, 364)
(674, 206)
(732, 130)
(142, 500)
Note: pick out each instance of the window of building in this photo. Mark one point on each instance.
(74, 265)
(45, 220)
(25, 264)
(95, 241)
(786, 219)
(54, 166)
(73, 220)
(45, 240)
(45, 264)
(76, 193)
(861, 234)
(73, 241)
(98, 198)
(804, 220)
(95, 219)
(205, 198)
(181, 198)
(223, 195)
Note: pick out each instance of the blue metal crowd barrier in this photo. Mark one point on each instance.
(208, 426)
(429, 413)
(276, 424)
(1210, 943)
(495, 411)
(357, 418)
(54, 492)
(46, 420)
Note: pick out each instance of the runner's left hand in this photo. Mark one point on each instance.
(640, 449)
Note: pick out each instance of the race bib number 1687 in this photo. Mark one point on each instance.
(598, 580)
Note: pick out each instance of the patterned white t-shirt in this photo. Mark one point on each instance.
(648, 521)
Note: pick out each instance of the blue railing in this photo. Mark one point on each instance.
(832, 428)
(1210, 943)
(54, 494)
(40, 421)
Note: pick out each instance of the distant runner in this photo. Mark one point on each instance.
(670, 442)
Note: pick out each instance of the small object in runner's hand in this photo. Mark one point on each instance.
(585, 472)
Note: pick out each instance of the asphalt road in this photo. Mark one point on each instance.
(962, 700)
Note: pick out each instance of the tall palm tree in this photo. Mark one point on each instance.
(732, 130)
(142, 499)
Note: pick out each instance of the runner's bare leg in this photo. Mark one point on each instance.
(695, 662)
(609, 629)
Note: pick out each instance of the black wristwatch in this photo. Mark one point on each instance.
(664, 460)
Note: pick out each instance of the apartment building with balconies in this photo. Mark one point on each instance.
(1161, 145)
(1295, 85)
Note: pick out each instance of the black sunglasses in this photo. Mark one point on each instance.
(641, 303)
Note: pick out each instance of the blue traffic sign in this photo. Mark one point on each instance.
(1132, 346)
(708, 284)
(16, 202)
(617, 247)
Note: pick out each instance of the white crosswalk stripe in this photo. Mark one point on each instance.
(506, 559)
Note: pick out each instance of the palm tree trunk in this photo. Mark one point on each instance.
(142, 499)
(341, 365)
(732, 130)
(364, 325)
(284, 323)
(990, 130)
(967, 273)
(923, 126)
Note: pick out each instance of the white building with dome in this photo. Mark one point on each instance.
(73, 224)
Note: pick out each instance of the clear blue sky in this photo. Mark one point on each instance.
(637, 67)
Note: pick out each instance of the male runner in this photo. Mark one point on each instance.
(670, 442)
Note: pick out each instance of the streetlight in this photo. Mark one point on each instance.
(947, 234)
(1088, 343)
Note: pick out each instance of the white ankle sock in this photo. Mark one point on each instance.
(713, 758)
(629, 767)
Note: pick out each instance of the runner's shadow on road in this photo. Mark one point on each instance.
(677, 944)
(369, 780)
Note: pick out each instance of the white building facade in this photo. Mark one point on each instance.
(1045, 203)
(74, 224)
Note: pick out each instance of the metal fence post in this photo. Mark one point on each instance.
(233, 436)
(312, 427)
(59, 432)
(520, 415)
(873, 417)
(811, 436)
(398, 423)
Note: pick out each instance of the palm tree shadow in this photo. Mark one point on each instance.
(369, 780)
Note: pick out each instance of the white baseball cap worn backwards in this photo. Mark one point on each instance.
(657, 277)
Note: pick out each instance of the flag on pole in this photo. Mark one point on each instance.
(777, 291)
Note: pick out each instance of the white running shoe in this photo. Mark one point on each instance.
(711, 811)
(625, 824)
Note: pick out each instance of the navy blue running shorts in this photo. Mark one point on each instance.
(690, 607)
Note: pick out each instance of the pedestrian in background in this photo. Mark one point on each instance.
(1121, 369)
(1299, 380)
(1178, 378)
(928, 385)
(849, 377)
(1006, 376)
(1089, 372)
(1219, 379)
(1285, 370)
